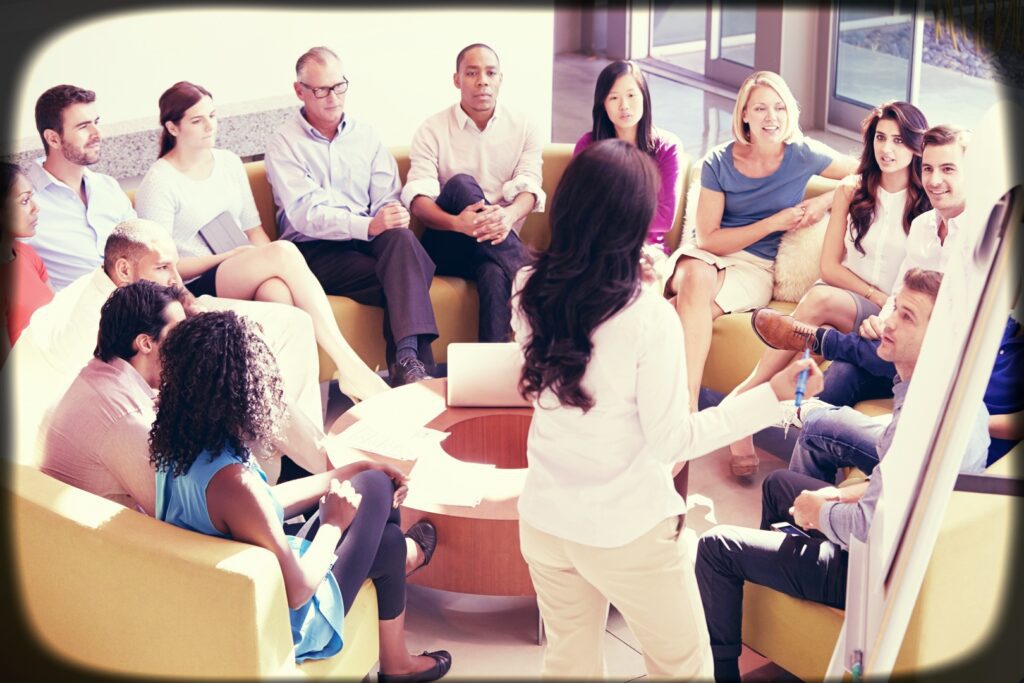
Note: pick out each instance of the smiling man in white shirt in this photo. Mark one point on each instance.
(474, 175)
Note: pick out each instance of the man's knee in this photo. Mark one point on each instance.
(713, 548)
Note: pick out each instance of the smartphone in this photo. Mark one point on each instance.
(787, 528)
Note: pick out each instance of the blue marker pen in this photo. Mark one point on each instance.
(801, 383)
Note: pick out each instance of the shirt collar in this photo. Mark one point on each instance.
(311, 130)
(123, 367)
(462, 118)
(41, 178)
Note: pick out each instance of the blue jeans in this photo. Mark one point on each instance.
(492, 266)
(835, 438)
(856, 373)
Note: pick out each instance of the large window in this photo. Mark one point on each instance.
(951, 60)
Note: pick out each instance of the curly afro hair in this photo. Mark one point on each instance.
(219, 389)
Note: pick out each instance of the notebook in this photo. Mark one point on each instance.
(485, 375)
(222, 234)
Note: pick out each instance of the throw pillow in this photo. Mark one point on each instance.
(798, 263)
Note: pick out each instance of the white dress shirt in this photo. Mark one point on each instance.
(72, 235)
(504, 157)
(603, 478)
(924, 250)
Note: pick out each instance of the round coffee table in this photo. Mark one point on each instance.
(478, 547)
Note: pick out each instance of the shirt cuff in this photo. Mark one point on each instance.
(359, 227)
(825, 523)
(523, 183)
(428, 187)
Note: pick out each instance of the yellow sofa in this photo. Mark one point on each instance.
(965, 587)
(454, 299)
(108, 588)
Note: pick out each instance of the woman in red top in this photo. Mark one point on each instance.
(26, 284)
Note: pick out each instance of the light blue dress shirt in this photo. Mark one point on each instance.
(840, 521)
(329, 189)
(71, 235)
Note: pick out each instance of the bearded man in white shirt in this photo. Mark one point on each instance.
(474, 175)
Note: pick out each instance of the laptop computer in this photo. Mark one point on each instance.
(485, 375)
(222, 234)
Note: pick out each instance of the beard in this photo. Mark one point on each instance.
(80, 156)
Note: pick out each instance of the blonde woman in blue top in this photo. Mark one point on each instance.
(751, 193)
(210, 405)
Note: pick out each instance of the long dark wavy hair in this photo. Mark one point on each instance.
(603, 126)
(219, 388)
(599, 217)
(175, 101)
(912, 124)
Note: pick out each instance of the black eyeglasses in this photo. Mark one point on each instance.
(320, 92)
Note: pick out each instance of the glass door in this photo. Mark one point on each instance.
(709, 40)
(732, 38)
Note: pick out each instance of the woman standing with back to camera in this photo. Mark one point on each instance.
(604, 365)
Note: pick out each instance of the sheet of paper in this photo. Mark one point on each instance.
(403, 442)
(442, 480)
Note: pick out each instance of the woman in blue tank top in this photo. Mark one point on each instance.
(220, 389)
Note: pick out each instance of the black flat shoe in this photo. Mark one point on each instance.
(424, 534)
(442, 663)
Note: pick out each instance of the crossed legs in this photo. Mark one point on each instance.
(278, 273)
(821, 305)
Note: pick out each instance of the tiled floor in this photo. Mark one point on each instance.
(497, 637)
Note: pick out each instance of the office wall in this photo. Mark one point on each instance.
(400, 61)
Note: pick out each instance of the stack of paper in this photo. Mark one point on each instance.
(403, 442)
(442, 480)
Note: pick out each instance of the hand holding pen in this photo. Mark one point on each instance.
(800, 379)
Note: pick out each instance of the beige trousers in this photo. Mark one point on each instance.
(649, 580)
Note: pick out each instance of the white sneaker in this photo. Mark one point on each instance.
(790, 418)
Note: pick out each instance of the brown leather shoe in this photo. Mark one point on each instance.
(781, 331)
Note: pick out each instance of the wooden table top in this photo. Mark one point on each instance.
(490, 435)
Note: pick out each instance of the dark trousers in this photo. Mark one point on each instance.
(373, 546)
(492, 266)
(391, 271)
(808, 568)
(856, 373)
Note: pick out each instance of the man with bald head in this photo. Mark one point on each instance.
(61, 337)
(474, 175)
(337, 188)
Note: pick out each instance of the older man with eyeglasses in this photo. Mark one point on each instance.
(337, 191)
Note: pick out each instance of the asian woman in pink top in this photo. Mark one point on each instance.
(622, 109)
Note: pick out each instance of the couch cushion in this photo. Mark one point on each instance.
(455, 311)
(735, 349)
